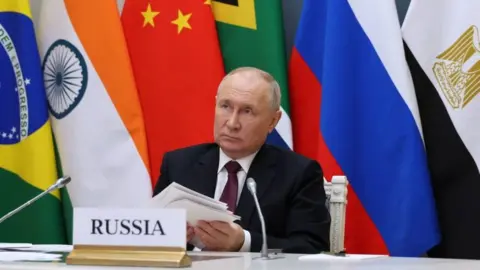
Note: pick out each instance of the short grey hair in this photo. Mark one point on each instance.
(275, 94)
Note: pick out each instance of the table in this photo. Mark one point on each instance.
(251, 261)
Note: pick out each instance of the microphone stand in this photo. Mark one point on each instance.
(252, 187)
(59, 184)
(264, 251)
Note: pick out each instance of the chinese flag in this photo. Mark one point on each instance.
(177, 65)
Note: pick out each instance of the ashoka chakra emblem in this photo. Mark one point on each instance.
(65, 75)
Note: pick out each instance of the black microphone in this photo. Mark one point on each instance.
(61, 182)
(252, 187)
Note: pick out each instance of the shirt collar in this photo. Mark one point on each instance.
(244, 162)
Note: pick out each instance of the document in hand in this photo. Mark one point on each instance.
(198, 206)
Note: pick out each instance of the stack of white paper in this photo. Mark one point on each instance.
(198, 206)
(15, 245)
(11, 256)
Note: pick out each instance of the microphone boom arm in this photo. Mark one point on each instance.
(59, 184)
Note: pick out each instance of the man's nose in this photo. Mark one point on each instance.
(233, 121)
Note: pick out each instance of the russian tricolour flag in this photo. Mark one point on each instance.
(350, 82)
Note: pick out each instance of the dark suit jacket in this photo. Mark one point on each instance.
(289, 187)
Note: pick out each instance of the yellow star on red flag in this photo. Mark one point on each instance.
(149, 15)
(182, 21)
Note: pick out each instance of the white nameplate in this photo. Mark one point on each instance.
(139, 227)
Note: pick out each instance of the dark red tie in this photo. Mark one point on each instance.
(229, 195)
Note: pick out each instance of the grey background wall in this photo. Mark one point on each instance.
(291, 14)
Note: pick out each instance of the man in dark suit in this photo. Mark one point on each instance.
(289, 186)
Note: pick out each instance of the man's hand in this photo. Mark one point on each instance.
(220, 236)
(190, 232)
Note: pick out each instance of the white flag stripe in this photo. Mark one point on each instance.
(284, 128)
(389, 49)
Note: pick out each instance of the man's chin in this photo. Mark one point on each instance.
(230, 147)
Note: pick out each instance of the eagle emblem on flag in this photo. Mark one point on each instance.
(457, 70)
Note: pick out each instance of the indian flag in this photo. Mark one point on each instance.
(93, 102)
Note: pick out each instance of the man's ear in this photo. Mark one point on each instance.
(275, 119)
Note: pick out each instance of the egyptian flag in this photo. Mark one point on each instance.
(443, 53)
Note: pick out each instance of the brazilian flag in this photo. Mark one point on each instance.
(27, 158)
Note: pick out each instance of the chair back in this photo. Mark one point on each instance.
(336, 191)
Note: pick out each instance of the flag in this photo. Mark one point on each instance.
(351, 81)
(27, 160)
(251, 34)
(178, 67)
(93, 103)
(443, 51)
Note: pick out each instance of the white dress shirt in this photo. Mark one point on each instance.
(222, 177)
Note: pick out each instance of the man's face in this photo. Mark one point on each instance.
(243, 114)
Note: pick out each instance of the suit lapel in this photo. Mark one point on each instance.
(262, 171)
(203, 178)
